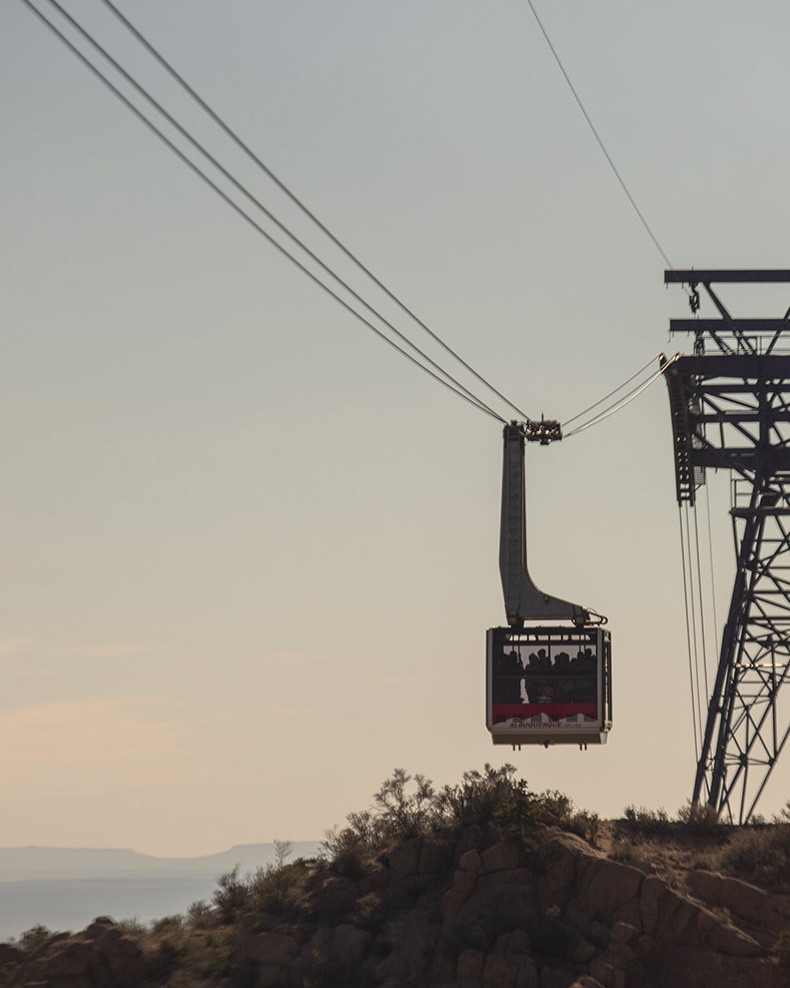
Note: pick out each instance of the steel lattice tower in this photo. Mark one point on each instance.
(730, 407)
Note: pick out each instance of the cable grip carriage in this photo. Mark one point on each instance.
(548, 674)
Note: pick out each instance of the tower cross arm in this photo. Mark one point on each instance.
(717, 276)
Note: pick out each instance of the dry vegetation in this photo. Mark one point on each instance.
(758, 853)
(198, 949)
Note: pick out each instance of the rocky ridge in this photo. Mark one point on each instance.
(435, 914)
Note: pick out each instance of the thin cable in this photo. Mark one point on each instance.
(459, 388)
(710, 557)
(475, 402)
(701, 604)
(606, 413)
(199, 147)
(600, 401)
(693, 619)
(298, 202)
(597, 137)
(688, 637)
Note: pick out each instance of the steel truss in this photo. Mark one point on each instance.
(730, 407)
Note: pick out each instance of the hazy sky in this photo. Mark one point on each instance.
(249, 552)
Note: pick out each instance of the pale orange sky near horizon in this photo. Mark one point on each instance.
(250, 554)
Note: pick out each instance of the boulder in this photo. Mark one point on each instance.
(583, 951)
(72, 959)
(510, 971)
(561, 854)
(452, 900)
(500, 857)
(10, 954)
(271, 949)
(349, 945)
(470, 861)
(469, 971)
(516, 942)
(336, 896)
(693, 967)
(555, 977)
(608, 886)
(124, 959)
(102, 956)
(341, 947)
(743, 900)
(269, 976)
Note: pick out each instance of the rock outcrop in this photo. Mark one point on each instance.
(434, 915)
(563, 917)
(102, 956)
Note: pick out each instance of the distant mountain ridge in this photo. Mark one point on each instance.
(50, 863)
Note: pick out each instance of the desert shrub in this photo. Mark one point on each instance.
(166, 925)
(494, 798)
(586, 825)
(781, 949)
(647, 823)
(280, 888)
(406, 807)
(519, 815)
(181, 956)
(369, 911)
(400, 811)
(784, 814)
(32, 939)
(132, 927)
(210, 954)
(556, 810)
(231, 897)
(697, 819)
(494, 802)
(282, 850)
(479, 797)
(201, 916)
(701, 819)
(677, 879)
(760, 855)
(403, 814)
(350, 855)
(625, 853)
(164, 948)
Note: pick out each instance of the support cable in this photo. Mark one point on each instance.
(688, 636)
(243, 146)
(619, 387)
(459, 388)
(598, 138)
(701, 604)
(468, 396)
(694, 634)
(621, 403)
(710, 558)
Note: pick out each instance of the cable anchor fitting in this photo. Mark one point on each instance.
(693, 297)
(544, 432)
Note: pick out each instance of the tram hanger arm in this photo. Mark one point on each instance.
(523, 600)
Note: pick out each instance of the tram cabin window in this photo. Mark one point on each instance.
(548, 685)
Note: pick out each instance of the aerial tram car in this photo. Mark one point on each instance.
(548, 673)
